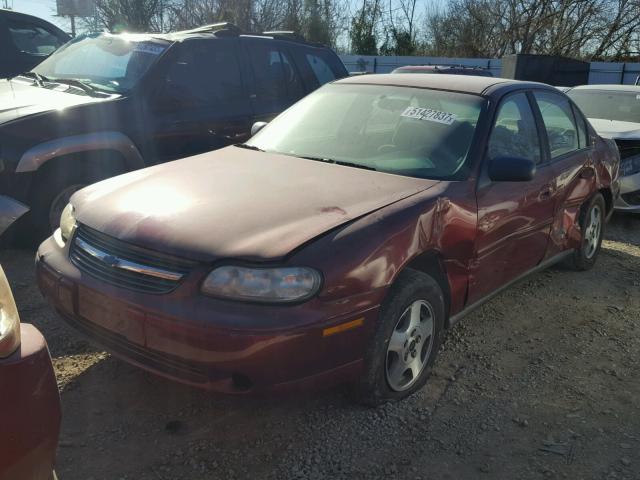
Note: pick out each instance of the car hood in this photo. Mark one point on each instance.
(616, 128)
(236, 203)
(19, 99)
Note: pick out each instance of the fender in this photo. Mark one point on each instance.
(38, 155)
(10, 211)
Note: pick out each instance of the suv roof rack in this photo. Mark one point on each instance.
(220, 27)
(285, 35)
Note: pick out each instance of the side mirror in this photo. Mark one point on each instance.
(256, 127)
(511, 169)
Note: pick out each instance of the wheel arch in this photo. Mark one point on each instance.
(608, 198)
(431, 263)
(80, 145)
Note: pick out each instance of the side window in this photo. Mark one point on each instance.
(33, 39)
(320, 68)
(514, 133)
(205, 74)
(559, 123)
(291, 77)
(277, 83)
(583, 131)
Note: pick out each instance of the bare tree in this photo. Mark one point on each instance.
(129, 15)
(576, 28)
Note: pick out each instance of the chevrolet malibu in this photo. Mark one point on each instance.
(341, 241)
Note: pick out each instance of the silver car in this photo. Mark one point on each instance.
(614, 112)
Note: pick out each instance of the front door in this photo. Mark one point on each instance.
(201, 103)
(514, 218)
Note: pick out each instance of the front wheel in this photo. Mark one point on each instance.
(592, 224)
(406, 342)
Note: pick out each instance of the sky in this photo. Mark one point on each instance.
(45, 9)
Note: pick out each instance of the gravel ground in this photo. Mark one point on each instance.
(542, 382)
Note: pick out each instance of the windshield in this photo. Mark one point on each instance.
(109, 62)
(401, 130)
(621, 106)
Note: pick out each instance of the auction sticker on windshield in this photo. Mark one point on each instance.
(429, 115)
(150, 48)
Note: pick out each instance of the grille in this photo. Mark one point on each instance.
(628, 148)
(632, 198)
(125, 265)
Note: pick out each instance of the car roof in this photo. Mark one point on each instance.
(609, 88)
(226, 30)
(486, 86)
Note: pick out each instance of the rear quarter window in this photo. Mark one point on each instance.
(320, 68)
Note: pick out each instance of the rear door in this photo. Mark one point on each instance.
(514, 218)
(275, 82)
(200, 102)
(570, 149)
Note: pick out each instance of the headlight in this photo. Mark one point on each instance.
(630, 165)
(9, 320)
(267, 285)
(67, 222)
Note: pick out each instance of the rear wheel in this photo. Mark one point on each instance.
(406, 342)
(592, 224)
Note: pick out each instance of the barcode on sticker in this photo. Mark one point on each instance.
(429, 115)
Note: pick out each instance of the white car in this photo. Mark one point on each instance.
(614, 112)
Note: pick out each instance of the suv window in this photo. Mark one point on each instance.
(559, 122)
(33, 39)
(321, 69)
(205, 74)
(277, 83)
(514, 133)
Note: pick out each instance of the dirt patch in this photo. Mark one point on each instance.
(542, 382)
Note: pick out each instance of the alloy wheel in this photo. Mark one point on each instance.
(592, 232)
(410, 346)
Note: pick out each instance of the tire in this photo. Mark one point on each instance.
(53, 187)
(386, 378)
(592, 225)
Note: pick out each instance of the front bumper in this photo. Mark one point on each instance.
(29, 410)
(629, 199)
(221, 346)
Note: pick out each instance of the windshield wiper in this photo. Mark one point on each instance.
(339, 162)
(39, 79)
(85, 87)
(248, 147)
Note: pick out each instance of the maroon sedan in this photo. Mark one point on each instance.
(341, 241)
(29, 400)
